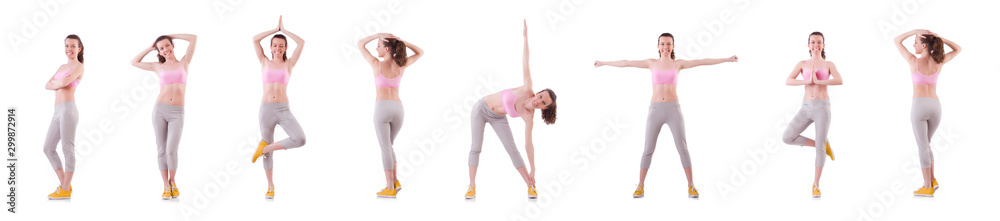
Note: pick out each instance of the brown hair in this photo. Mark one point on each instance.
(935, 46)
(284, 56)
(79, 56)
(671, 37)
(549, 113)
(397, 49)
(821, 53)
(158, 39)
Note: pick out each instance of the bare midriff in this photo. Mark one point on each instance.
(172, 94)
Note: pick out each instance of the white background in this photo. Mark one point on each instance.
(734, 112)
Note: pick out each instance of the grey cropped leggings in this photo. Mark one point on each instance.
(168, 122)
(388, 120)
(813, 111)
(668, 113)
(272, 114)
(482, 114)
(925, 115)
(62, 128)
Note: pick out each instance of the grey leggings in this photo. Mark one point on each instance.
(388, 120)
(668, 113)
(813, 111)
(168, 122)
(482, 114)
(62, 128)
(272, 114)
(925, 115)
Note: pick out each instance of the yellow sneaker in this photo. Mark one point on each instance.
(639, 193)
(173, 190)
(387, 193)
(398, 186)
(816, 193)
(924, 192)
(270, 193)
(60, 194)
(471, 193)
(829, 151)
(532, 193)
(260, 151)
(692, 192)
(933, 184)
(166, 194)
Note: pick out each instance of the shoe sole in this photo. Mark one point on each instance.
(58, 198)
(165, 198)
(637, 196)
(816, 196)
(532, 197)
(470, 197)
(693, 196)
(268, 197)
(386, 196)
(925, 195)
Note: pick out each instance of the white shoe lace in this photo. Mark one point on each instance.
(57, 190)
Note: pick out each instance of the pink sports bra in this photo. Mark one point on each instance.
(275, 76)
(381, 81)
(664, 77)
(65, 74)
(507, 98)
(919, 78)
(178, 76)
(821, 74)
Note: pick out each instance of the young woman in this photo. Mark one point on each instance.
(388, 72)
(64, 118)
(664, 107)
(925, 113)
(168, 113)
(274, 109)
(817, 73)
(517, 102)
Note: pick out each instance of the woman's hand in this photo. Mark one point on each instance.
(526, 28)
(531, 177)
(281, 25)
